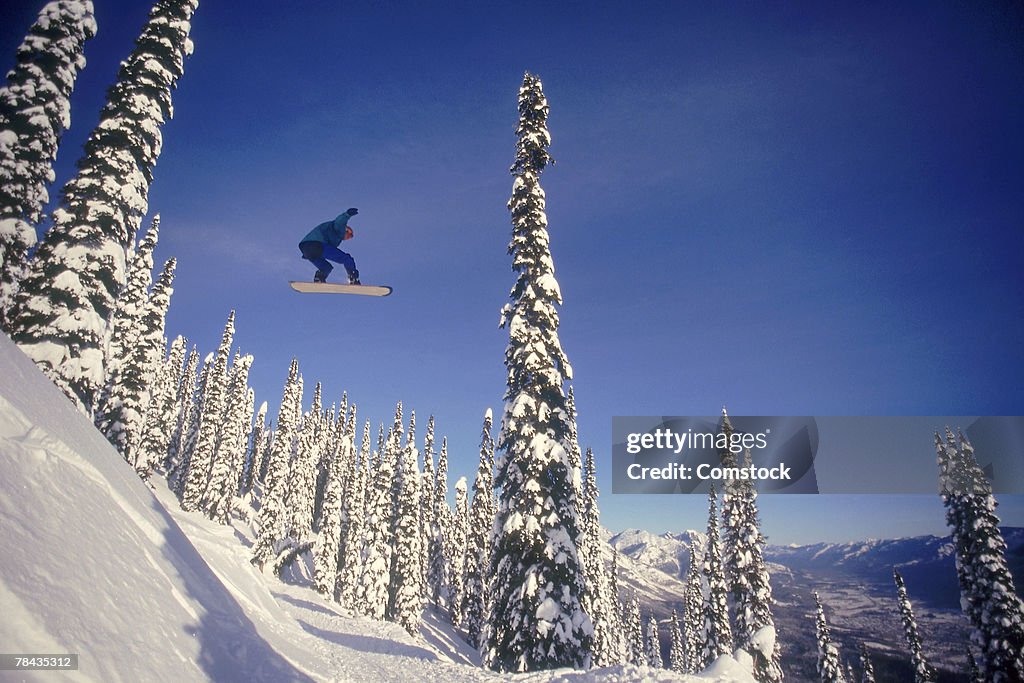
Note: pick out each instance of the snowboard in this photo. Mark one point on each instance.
(338, 288)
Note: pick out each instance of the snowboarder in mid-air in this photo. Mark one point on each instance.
(320, 247)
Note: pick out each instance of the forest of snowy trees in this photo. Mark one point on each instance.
(514, 557)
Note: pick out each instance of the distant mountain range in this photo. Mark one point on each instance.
(926, 562)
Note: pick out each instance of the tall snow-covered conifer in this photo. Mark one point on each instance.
(439, 576)
(162, 412)
(634, 631)
(537, 619)
(652, 647)
(829, 667)
(478, 543)
(987, 591)
(371, 594)
(351, 560)
(615, 607)
(34, 112)
(142, 367)
(596, 600)
(716, 632)
(867, 669)
(254, 456)
(177, 449)
(693, 613)
(272, 516)
(144, 359)
(190, 431)
(427, 507)
(677, 652)
(457, 550)
(125, 324)
(405, 592)
(61, 312)
(220, 493)
(747, 578)
(923, 671)
(325, 550)
(302, 475)
(346, 450)
(211, 407)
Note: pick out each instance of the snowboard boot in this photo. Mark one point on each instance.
(353, 278)
(320, 276)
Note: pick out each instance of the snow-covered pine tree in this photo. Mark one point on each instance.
(537, 620)
(34, 113)
(987, 591)
(325, 550)
(268, 443)
(143, 361)
(635, 633)
(652, 647)
(677, 652)
(351, 561)
(596, 600)
(332, 428)
(440, 562)
(693, 613)
(867, 669)
(346, 449)
(427, 507)
(575, 454)
(716, 633)
(829, 667)
(302, 476)
(746, 575)
(272, 515)
(211, 408)
(67, 296)
(190, 433)
(457, 551)
(247, 425)
(226, 467)
(125, 324)
(973, 672)
(178, 452)
(478, 541)
(254, 455)
(378, 453)
(615, 611)
(923, 671)
(162, 411)
(405, 591)
(371, 598)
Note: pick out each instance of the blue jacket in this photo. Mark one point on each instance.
(331, 232)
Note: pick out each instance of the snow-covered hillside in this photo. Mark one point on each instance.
(98, 564)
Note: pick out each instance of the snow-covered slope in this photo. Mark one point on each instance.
(94, 565)
(98, 564)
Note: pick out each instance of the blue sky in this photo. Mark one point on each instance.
(800, 209)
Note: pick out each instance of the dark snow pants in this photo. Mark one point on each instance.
(319, 254)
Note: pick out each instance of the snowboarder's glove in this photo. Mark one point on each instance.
(352, 212)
